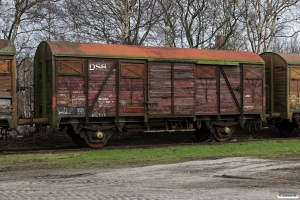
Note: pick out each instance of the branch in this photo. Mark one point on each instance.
(22, 61)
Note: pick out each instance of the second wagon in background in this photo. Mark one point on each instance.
(283, 96)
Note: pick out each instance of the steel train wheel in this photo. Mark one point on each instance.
(76, 138)
(222, 134)
(203, 134)
(285, 128)
(79, 141)
(96, 143)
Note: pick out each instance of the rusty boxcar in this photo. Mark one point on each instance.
(8, 96)
(96, 90)
(283, 93)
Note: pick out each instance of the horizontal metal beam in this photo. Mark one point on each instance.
(169, 131)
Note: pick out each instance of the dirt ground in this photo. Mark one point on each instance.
(224, 178)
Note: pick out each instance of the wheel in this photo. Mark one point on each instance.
(285, 128)
(203, 134)
(223, 134)
(79, 141)
(96, 142)
(76, 138)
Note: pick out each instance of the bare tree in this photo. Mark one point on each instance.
(267, 19)
(20, 22)
(14, 13)
(196, 24)
(25, 88)
(287, 45)
(226, 17)
(53, 22)
(114, 21)
(167, 33)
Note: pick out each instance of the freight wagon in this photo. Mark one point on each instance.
(283, 90)
(8, 95)
(96, 90)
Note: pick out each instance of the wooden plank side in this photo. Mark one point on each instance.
(5, 83)
(280, 87)
(253, 96)
(184, 89)
(132, 98)
(5, 107)
(295, 72)
(70, 83)
(5, 112)
(70, 67)
(253, 89)
(294, 89)
(70, 97)
(206, 96)
(70, 88)
(6, 93)
(106, 102)
(227, 102)
(159, 88)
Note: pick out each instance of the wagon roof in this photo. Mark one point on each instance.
(7, 47)
(152, 53)
(289, 58)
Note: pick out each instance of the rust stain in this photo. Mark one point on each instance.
(134, 110)
(152, 53)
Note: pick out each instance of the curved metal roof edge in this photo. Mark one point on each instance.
(289, 58)
(67, 49)
(7, 47)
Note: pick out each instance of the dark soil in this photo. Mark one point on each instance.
(55, 139)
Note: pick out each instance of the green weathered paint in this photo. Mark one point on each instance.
(7, 47)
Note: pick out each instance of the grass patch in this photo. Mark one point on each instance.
(143, 157)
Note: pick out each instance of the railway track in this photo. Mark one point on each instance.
(130, 145)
